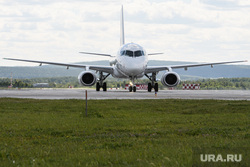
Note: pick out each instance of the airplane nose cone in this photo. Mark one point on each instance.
(134, 69)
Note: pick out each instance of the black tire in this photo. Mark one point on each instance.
(104, 87)
(134, 88)
(97, 86)
(130, 88)
(149, 87)
(156, 87)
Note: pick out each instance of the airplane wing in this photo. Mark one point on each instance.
(151, 69)
(106, 69)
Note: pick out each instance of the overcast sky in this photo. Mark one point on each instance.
(185, 30)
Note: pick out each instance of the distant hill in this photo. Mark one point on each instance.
(218, 71)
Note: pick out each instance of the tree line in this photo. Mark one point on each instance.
(54, 82)
(64, 82)
(221, 83)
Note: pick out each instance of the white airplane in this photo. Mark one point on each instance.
(131, 62)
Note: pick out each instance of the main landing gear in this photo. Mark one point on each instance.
(104, 86)
(100, 83)
(153, 84)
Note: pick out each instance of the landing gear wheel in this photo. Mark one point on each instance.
(104, 86)
(98, 86)
(156, 87)
(134, 88)
(130, 88)
(149, 87)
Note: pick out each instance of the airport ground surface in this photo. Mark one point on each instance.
(124, 94)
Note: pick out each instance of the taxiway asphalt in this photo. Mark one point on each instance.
(49, 93)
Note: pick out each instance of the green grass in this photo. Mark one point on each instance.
(117, 132)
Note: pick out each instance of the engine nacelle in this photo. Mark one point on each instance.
(170, 79)
(87, 78)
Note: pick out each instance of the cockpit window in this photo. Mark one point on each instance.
(130, 53)
(142, 53)
(123, 52)
(139, 53)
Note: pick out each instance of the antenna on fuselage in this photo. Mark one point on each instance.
(122, 38)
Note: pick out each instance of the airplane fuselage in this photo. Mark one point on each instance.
(130, 61)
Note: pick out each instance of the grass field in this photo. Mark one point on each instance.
(117, 132)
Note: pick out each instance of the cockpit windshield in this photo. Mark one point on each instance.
(138, 53)
(130, 53)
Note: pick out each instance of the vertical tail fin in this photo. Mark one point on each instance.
(122, 38)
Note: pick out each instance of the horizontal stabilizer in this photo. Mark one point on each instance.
(155, 54)
(99, 54)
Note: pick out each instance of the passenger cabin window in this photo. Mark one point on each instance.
(130, 53)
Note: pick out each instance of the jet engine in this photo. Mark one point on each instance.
(170, 79)
(87, 78)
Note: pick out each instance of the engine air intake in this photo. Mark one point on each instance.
(170, 79)
(87, 78)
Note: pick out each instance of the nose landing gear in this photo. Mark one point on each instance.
(132, 88)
